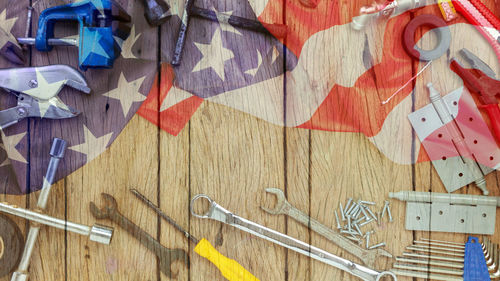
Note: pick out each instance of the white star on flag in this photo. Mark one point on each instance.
(5, 162)
(44, 91)
(6, 24)
(224, 25)
(92, 146)
(275, 55)
(253, 71)
(10, 143)
(174, 96)
(129, 43)
(176, 7)
(214, 55)
(127, 93)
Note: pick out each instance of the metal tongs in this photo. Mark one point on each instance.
(218, 213)
(36, 89)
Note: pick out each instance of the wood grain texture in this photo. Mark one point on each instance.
(232, 157)
(7, 173)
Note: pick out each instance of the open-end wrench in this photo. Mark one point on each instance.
(166, 256)
(368, 257)
(218, 213)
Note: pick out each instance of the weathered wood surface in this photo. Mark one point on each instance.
(232, 157)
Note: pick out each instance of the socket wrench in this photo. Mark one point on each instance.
(97, 233)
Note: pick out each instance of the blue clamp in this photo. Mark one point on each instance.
(100, 21)
(475, 268)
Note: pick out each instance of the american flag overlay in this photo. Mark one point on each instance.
(116, 95)
(306, 79)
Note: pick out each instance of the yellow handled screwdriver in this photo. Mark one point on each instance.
(229, 268)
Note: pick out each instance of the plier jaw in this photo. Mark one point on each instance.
(36, 89)
(480, 79)
(478, 82)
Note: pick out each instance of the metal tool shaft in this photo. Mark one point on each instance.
(434, 257)
(279, 30)
(461, 199)
(28, 24)
(52, 41)
(164, 216)
(45, 219)
(429, 262)
(56, 153)
(427, 275)
(368, 257)
(181, 38)
(430, 243)
(216, 212)
(428, 268)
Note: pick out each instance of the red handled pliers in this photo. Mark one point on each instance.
(480, 79)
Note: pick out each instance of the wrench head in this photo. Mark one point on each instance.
(370, 257)
(280, 201)
(110, 207)
(382, 252)
(169, 256)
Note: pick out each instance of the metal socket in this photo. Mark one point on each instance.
(101, 234)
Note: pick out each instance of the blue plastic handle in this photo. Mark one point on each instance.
(475, 268)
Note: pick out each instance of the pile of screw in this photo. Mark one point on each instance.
(357, 214)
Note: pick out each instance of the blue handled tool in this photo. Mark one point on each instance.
(440, 260)
(475, 267)
(100, 22)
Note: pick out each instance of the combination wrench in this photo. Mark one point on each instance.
(368, 257)
(165, 255)
(218, 213)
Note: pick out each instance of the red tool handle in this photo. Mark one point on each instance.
(489, 15)
(479, 15)
(494, 114)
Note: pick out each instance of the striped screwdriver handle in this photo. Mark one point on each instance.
(486, 13)
(483, 19)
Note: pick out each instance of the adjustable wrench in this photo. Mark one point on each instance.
(218, 213)
(368, 257)
(167, 256)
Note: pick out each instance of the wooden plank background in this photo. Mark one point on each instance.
(231, 156)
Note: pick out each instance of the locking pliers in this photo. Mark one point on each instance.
(36, 89)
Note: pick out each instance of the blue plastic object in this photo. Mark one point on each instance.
(475, 268)
(100, 21)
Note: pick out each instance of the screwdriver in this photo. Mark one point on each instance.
(229, 268)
